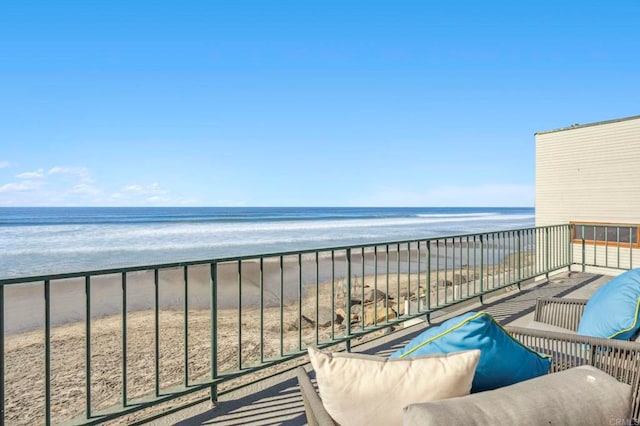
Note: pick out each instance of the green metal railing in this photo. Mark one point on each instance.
(609, 246)
(242, 315)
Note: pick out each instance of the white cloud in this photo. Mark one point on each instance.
(158, 199)
(133, 188)
(486, 195)
(74, 186)
(4, 164)
(81, 172)
(143, 194)
(57, 186)
(85, 189)
(153, 189)
(27, 185)
(38, 174)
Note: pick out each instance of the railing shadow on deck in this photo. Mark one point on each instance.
(278, 404)
(260, 408)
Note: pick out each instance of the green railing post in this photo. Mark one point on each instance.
(630, 248)
(156, 330)
(317, 336)
(186, 325)
(213, 393)
(546, 252)
(124, 339)
(300, 301)
(240, 315)
(408, 297)
(1, 355)
(87, 342)
(506, 257)
(618, 245)
(493, 260)
(47, 352)
(606, 246)
(418, 298)
(446, 271)
(569, 230)
(348, 300)
(481, 268)
(518, 262)
(474, 265)
(397, 279)
(333, 294)
(438, 273)
(595, 237)
(362, 279)
(387, 282)
(428, 295)
(584, 252)
(375, 286)
(262, 310)
(281, 306)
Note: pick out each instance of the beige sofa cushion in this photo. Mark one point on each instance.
(541, 326)
(369, 390)
(578, 396)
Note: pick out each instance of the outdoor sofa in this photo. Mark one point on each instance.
(539, 370)
(619, 359)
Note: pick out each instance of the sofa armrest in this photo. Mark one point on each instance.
(618, 358)
(576, 397)
(565, 313)
(316, 414)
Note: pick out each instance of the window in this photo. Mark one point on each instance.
(606, 234)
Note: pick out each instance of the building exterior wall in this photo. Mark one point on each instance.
(589, 173)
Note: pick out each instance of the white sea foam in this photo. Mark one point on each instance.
(459, 215)
(92, 238)
(30, 250)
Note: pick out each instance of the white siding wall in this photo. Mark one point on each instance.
(589, 174)
(607, 256)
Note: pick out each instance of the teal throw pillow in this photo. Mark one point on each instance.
(503, 360)
(612, 311)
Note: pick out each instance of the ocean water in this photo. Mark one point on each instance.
(36, 241)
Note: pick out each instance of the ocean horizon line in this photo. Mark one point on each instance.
(262, 207)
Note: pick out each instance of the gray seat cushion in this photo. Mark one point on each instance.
(578, 396)
(535, 325)
(541, 326)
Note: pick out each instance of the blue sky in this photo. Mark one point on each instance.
(289, 103)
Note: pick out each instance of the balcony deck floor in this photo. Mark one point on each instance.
(278, 401)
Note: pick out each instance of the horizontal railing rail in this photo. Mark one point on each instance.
(108, 343)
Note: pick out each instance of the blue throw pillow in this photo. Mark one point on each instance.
(503, 359)
(612, 312)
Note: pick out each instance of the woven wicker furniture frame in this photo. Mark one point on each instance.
(620, 359)
(565, 313)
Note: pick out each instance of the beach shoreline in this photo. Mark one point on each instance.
(24, 307)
